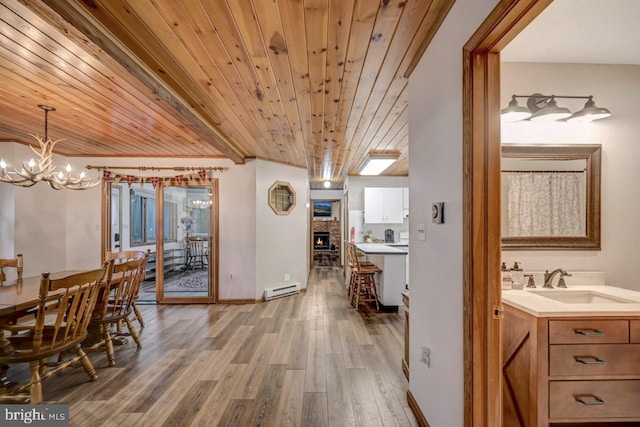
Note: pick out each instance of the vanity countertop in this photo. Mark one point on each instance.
(528, 301)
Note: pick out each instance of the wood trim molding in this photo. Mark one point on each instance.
(422, 420)
(481, 197)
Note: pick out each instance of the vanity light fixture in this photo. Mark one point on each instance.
(376, 162)
(545, 108)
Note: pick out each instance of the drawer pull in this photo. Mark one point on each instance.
(589, 399)
(590, 332)
(589, 360)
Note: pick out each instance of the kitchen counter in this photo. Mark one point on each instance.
(540, 306)
(393, 262)
(380, 248)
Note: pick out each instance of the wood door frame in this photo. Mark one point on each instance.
(213, 247)
(481, 198)
(341, 220)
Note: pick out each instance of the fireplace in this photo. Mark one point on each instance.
(321, 240)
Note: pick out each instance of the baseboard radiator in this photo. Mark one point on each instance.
(281, 291)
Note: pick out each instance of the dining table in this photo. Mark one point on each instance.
(18, 295)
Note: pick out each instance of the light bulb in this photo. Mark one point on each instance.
(82, 174)
(60, 175)
(32, 163)
(68, 168)
(3, 165)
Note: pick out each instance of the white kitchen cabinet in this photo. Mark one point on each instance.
(383, 205)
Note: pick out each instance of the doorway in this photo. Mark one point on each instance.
(326, 233)
(482, 252)
(177, 224)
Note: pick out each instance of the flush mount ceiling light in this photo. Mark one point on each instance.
(376, 162)
(43, 169)
(327, 184)
(545, 108)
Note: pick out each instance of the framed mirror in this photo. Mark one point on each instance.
(550, 197)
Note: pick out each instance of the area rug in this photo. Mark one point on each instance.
(196, 281)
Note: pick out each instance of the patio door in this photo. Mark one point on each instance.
(186, 249)
(178, 225)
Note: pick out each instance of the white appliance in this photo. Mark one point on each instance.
(356, 222)
(403, 237)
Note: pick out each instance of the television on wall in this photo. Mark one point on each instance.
(321, 208)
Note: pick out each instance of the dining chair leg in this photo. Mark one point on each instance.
(86, 363)
(35, 385)
(108, 344)
(138, 315)
(133, 332)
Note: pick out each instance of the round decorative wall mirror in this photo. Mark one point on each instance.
(282, 198)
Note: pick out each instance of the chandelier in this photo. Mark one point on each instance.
(43, 168)
(203, 204)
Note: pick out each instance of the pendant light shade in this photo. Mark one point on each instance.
(550, 112)
(589, 113)
(514, 112)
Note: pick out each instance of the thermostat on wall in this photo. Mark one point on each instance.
(437, 213)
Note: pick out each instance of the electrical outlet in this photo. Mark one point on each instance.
(425, 357)
(287, 277)
(230, 275)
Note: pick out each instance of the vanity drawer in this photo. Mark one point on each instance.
(600, 399)
(588, 331)
(635, 331)
(594, 359)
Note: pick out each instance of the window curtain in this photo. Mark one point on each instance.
(544, 204)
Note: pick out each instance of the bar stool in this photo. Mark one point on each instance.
(362, 284)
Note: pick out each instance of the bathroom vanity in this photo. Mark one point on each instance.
(571, 356)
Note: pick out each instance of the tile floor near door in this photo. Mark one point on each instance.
(304, 360)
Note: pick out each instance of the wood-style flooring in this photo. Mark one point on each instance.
(305, 360)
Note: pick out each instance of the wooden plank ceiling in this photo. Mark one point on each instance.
(311, 83)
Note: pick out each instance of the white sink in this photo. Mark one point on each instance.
(581, 297)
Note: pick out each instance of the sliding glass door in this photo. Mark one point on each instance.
(178, 225)
(188, 258)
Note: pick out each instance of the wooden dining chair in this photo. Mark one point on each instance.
(62, 317)
(116, 306)
(196, 253)
(16, 263)
(124, 256)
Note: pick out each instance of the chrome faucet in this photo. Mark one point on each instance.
(548, 278)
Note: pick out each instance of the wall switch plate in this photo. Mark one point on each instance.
(437, 213)
(422, 234)
(287, 277)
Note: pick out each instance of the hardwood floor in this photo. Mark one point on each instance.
(304, 360)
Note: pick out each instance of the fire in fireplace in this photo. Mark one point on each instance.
(321, 240)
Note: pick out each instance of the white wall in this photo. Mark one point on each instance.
(282, 241)
(58, 230)
(357, 185)
(610, 85)
(435, 168)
